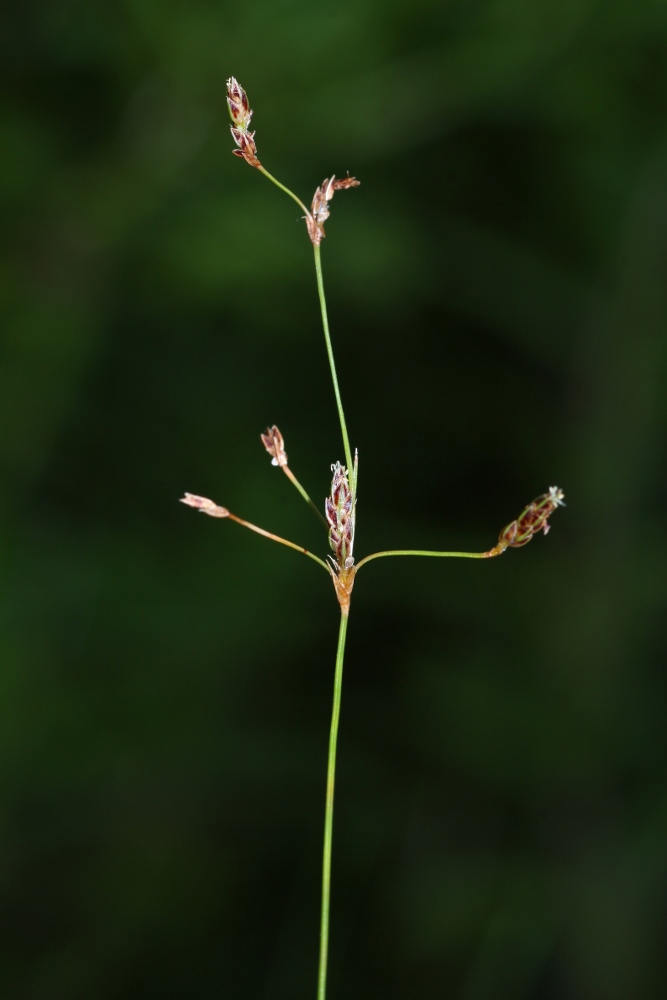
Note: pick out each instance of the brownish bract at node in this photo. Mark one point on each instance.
(343, 583)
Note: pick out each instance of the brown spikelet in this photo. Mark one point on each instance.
(339, 508)
(204, 505)
(339, 511)
(241, 113)
(238, 104)
(246, 143)
(320, 206)
(274, 444)
(534, 518)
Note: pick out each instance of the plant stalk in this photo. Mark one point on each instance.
(282, 187)
(277, 538)
(332, 366)
(497, 550)
(328, 815)
(295, 482)
(327, 335)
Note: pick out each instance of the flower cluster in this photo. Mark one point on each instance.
(339, 508)
(319, 210)
(240, 112)
(340, 513)
(531, 520)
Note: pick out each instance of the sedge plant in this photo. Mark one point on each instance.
(340, 507)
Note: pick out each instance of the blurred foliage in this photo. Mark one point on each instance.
(497, 298)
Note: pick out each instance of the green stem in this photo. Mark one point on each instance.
(332, 365)
(327, 335)
(496, 551)
(328, 816)
(283, 188)
(295, 482)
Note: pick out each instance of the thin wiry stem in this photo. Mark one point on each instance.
(332, 366)
(295, 482)
(497, 550)
(277, 538)
(329, 810)
(282, 187)
(325, 325)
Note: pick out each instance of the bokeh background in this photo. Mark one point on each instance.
(497, 298)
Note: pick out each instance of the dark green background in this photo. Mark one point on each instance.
(497, 297)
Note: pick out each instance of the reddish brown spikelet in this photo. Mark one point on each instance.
(344, 183)
(247, 148)
(534, 518)
(339, 510)
(340, 513)
(204, 505)
(238, 104)
(240, 112)
(320, 206)
(274, 444)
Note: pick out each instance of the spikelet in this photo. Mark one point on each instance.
(240, 113)
(204, 505)
(274, 444)
(320, 206)
(340, 513)
(534, 518)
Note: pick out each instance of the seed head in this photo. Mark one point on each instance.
(239, 110)
(340, 513)
(320, 206)
(247, 148)
(204, 506)
(274, 444)
(533, 519)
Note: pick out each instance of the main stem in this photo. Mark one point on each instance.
(340, 653)
(332, 365)
(328, 815)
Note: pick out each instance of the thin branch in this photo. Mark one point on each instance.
(282, 187)
(497, 550)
